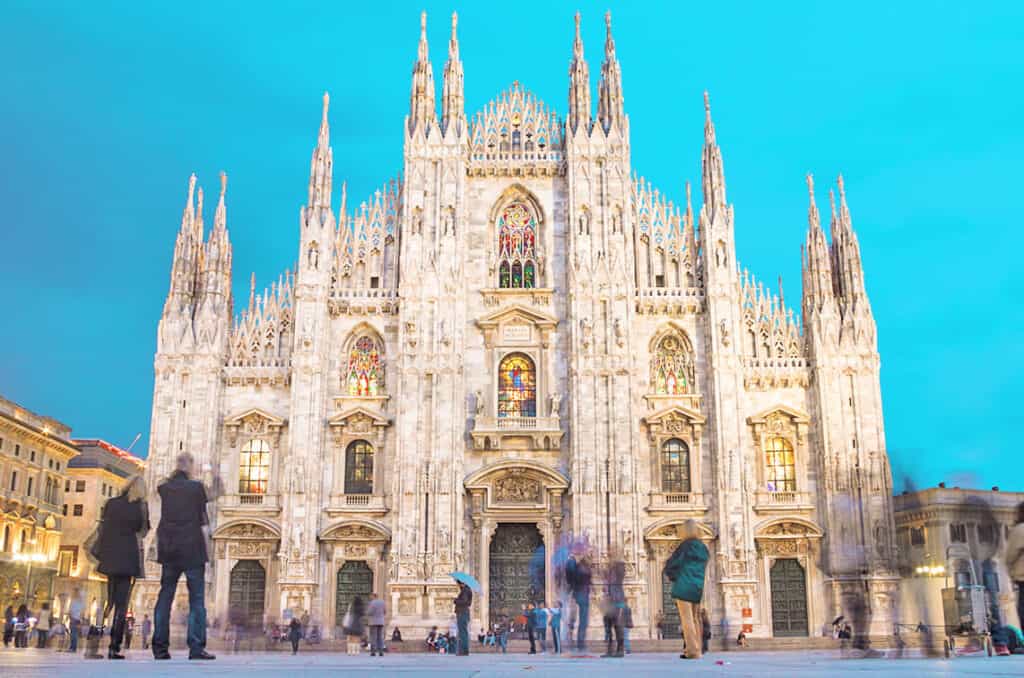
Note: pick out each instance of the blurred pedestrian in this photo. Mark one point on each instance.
(181, 549)
(353, 624)
(8, 624)
(129, 630)
(147, 629)
(124, 520)
(705, 623)
(531, 626)
(463, 601)
(540, 625)
(295, 634)
(578, 577)
(43, 626)
(685, 569)
(21, 618)
(376, 612)
(1014, 559)
(612, 606)
(76, 608)
(627, 625)
(556, 627)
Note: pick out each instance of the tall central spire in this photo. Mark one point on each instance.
(609, 104)
(579, 85)
(421, 104)
(322, 165)
(713, 173)
(453, 104)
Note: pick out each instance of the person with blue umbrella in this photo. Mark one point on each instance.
(463, 602)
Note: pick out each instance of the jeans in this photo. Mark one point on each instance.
(119, 589)
(376, 638)
(195, 580)
(76, 625)
(41, 638)
(532, 637)
(542, 636)
(503, 641)
(583, 602)
(613, 622)
(462, 620)
(556, 640)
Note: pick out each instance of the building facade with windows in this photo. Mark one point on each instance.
(951, 537)
(99, 472)
(515, 342)
(35, 451)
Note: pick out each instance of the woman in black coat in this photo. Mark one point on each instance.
(123, 522)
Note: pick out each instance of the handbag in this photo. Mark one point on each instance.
(91, 545)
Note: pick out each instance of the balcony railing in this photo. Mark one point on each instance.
(356, 503)
(517, 424)
(263, 503)
(669, 502)
(782, 499)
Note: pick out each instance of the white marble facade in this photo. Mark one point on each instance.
(646, 337)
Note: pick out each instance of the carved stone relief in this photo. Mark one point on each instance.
(517, 489)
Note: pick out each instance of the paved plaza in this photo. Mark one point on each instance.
(30, 663)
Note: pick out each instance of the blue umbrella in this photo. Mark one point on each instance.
(467, 579)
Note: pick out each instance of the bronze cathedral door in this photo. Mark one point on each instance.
(516, 573)
(789, 598)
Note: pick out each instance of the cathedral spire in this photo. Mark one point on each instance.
(846, 261)
(421, 103)
(579, 85)
(817, 267)
(321, 165)
(215, 268)
(186, 256)
(610, 104)
(453, 104)
(713, 172)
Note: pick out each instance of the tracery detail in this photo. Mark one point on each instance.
(517, 247)
(672, 366)
(365, 370)
(517, 387)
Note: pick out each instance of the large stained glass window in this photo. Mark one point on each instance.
(254, 467)
(780, 465)
(365, 368)
(359, 468)
(672, 366)
(517, 387)
(675, 466)
(517, 247)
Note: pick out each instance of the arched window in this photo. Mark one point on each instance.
(675, 466)
(517, 387)
(254, 467)
(780, 465)
(365, 369)
(7, 538)
(517, 247)
(672, 366)
(359, 468)
(24, 541)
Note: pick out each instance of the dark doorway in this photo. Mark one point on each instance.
(670, 613)
(517, 569)
(355, 578)
(247, 590)
(789, 598)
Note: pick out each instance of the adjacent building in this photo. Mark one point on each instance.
(98, 473)
(949, 537)
(516, 342)
(35, 451)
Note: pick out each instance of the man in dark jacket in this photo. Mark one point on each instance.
(685, 569)
(578, 576)
(181, 549)
(462, 604)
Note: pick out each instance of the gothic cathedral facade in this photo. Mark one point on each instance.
(514, 343)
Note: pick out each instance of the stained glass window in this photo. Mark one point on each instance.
(675, 466)
(672, 367)
(254, 467)
(780, 465)
(517, 387)
(517, 247)
(359, 468)
(365, 370)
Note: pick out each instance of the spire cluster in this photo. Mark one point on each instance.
(422, 111)
(453, 100)
(579, 85)
(610, 109)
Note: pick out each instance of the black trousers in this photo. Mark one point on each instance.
(119, 590)
(529, 633)
(612, 623)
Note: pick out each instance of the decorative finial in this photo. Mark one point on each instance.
(327, 102)
(223, 184)
(832, 201)
(842, 189)
(608, 20)
(455, 22)
(191, 188)
(707, 103)
(423, 23)
(577, 25)
(810, 185)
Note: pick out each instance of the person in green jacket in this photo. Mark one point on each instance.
(685, 569)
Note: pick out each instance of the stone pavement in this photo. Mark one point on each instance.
(31, 663)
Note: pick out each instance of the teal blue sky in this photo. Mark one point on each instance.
(107, 107)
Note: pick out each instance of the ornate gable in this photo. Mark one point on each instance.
(517, 324)
(356, 421)
(252, 423)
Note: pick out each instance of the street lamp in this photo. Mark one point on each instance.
(29, 559)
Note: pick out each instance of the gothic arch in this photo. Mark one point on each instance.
(359, 528)
(781, 527)
(349, 370)
(517, 193)
(672, 361)
(665, 529)
(552, 478)
(228, 530)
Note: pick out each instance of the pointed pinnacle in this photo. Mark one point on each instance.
(608, 20)
(223, 185)
(832, 201)
(191, 188)
(327, 103)
(455, 22)
(688, 205)
(707, 104)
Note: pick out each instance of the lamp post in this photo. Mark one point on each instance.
(29, 559)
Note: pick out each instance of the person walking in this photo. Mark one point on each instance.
(1014, 559)
(8, 624)
(612, 607)
(295, 634)
(556, 627)
(531, 626)
(181, 549)
(129, 630)
(75, 610)
(463, 601)
(376, 612)
(43, 626)
(578, 577)
(21, 618)
(540, 625)
(685, 569)
(353, 624)
(147, 629)
(124, 520)
(501, 634)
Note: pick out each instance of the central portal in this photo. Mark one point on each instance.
(516, 573)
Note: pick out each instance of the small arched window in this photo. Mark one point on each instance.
(24, 541)
(672, 366)
(517, 247)
(517, 386)
(365, 368)
(675, 466)
(7, 538)
(780, 465)
(254, 467)
(359, 468)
